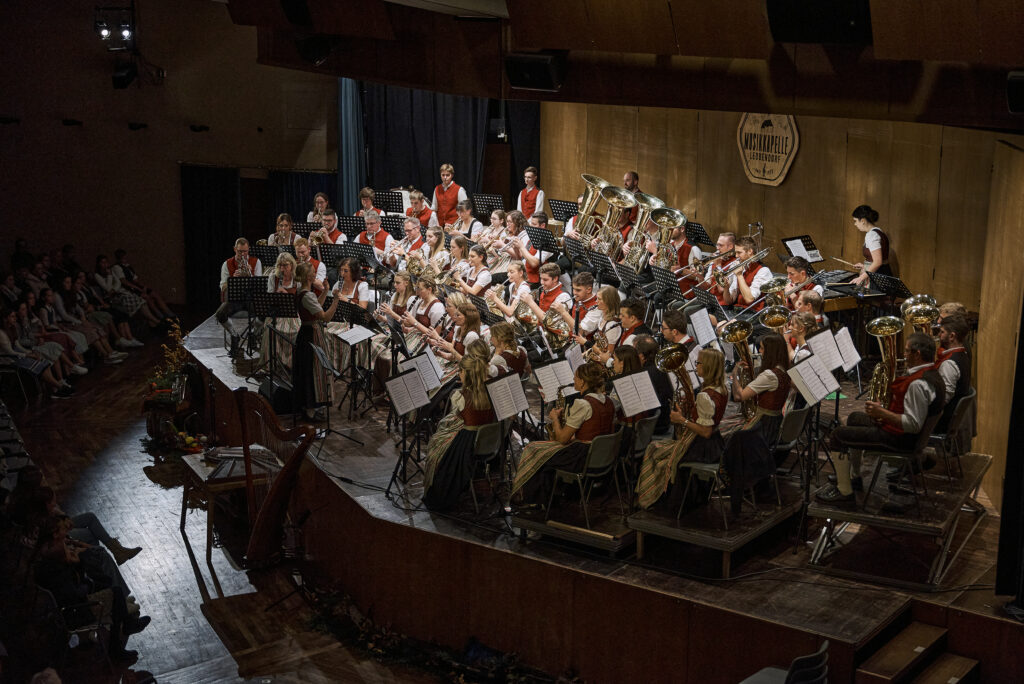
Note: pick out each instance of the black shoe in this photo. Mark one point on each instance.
(136, 626)
(856, 482)
(832, 495)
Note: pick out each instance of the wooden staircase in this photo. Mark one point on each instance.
(917, 654)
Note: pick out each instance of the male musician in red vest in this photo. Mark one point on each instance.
(551, 292)
(531, 198)
(675, 328)
(366, 199)
(687, 258)
(916, 396)
(647, 348)
(631, 315)
(446, 197)
(631, 181)
(373, 235)
(726, 242)
(239, 265)
(418, 208)
(330, 228)
(412, 242)
(584, 316)
(747, 285)
(953, 362)
(303, 256)
(797, 269)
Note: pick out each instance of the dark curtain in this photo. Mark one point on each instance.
(410, 133)
(209, 207)
(351, 146)
(292, 193)
(522, 123)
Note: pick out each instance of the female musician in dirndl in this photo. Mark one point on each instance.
(477, 278)
(876, 245)
(311, 387)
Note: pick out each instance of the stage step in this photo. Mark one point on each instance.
(901, 657)
(949, 668)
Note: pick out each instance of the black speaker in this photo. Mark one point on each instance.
(279, 396)
(1015, 92)
(536, 70)
(814, 21)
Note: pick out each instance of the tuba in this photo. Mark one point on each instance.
(636, 259)
(668, 219)
(609, 239)
(774, 317)
(591, 196)
(672, 359)
(887, 329)
(737, 332)
(920, 312)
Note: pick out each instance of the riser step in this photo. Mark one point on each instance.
(902, 656)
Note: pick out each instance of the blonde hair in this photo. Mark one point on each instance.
(284, 258)
(610, 296)
(712, 366)
(406, 277)
(952, 308)
(304, 275)
(806, 319)
(474, 389)
(439, 245)
(415, 195)
(518, 265)
(504, 334)
(449, 168)
(300, 242)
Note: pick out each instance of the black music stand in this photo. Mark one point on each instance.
(563, 210)
(696, 235)
(809, 247)
(576, 251)
(543, 240)
(486, 315)
(395, 225)
(390, 201)
(267, 254)
(405, 448)
(325, 363)
(627, 277)
(708, 301)
(603, 265)
(351, 226)
(329, 254)
(667, 283)
(359, 379)
(304, 228)
(241, 290)
(364, 253)
(398, 346)
(272, 305)
(889, 285)
(484, 204)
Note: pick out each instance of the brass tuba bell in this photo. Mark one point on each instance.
(887, 329)
(920, 312)
(591, 196)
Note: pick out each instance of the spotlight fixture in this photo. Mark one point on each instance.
(102, 29)
(126, 31)
(116, 27)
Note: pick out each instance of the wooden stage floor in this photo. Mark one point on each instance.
(770, 576)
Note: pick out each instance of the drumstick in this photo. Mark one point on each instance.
(843, 261)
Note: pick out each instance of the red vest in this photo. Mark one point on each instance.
(315, 265)
(807, 285)
(363, 211)
(528, 201)
(446, 201)
(748, 277)
(424, 318)
(532, 272)
(626, 332)
(720, 400)
(380, 239)
(579, 312)
(601, 422)
(683, 260)
(474, 416)
(776, 399)
(625, 231)
(720, 296)
(548, 298)
(423, 216)
(899, 392)
(517, 361)
(232, 266)
(334, 235)
(885, 247)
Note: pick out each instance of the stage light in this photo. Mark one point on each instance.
(126, 31)
(102, 29)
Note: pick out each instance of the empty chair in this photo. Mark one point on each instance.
(489, 445)
(808, 669)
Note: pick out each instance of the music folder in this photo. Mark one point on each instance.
(425, 363)
(507, 396)
(824, 347)
(702, 328)
(636, 393)
(407, 392)
(813, 380)
(551, 376)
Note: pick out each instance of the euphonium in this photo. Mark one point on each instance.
(584, 224)
(672, 359)
(668, 220)
(610, 239)
(887, 329)
(638, 236)
(559, 421)
(774, 317)
(920, 312)
(737, 332)
(414, 264)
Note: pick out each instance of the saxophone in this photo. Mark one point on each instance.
(558, 421)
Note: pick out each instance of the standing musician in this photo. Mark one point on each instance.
(953, 362)
(876, 245)
(308, 386)
(282, 276)
(320, 204)
(398, 253)
(584, 316)
(282, 234)
(373, 235)
(366, 199)
(915, 397)
(513, 291)
(478, 278)
(302, 256)
(531, 198)
(329, 230)
(749, 281)
(465, 222)
(631, 181)
(351, 287)
(420, 210)
(239, 265)
(796, 270)
(509, 357)
(700, 440)
(551, 292)
(447, 195)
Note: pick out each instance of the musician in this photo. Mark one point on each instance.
(950, 308)
(631, 181)
(746, 287)
(466, 223)
(282, 234)
(395, 309)
(647, 347)
(447, 194)
(496, 229)
(810, 301)
(420, 210)
(450, 451)
(478, 278)
(433, 252)
(320, 204)
(608, 303)
(459, 261)
(876, 245)
(646, 240)
(570, 225)
(588, 416)
(509, 357)
(423, 315)
(330, 228)
(801, 325)
(799, 281)
(282, 277)
(302, 256)
(366, 202)
(551, 292)
(625, 226)
(700, 441)
(351, 287)
(915, 397)
(373, 235)
(521, 248)
(631, 317)
(513, 291)
(239, 265)
(309, 381)
(584, 316)
(726, 242)
(675, 328)
(466, 329)
(412, 242)
(531, 198)
(953, 361)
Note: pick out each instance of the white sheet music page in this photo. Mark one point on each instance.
(507, 396)
(691, 366)
(434, 363)
(824, 375)
(416, 389)
(552, 376)
(400, 398)
(851, 357)
(421, 364)
(626, 391)
(574, 355)
(824, 347)
(807, 382)
(796, 248)
(702, 327)
(356, 334)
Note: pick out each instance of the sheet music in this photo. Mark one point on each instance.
(824, 347)
(851, 357)
(796, 248)
(636, 393)
(555, 375)
(356, 334)
(702, 328)
(421, 364)
(813, 380)
(507, 396)
(407, 392)
(434, 362)
(691, 366)
(574, 355)
(814, 256)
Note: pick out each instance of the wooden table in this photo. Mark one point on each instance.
(198, 473)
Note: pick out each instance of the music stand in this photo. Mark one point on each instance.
(390, 201)
(576, 252)
(486, 315)
(813, 254)
(695, 234)
(351, 226)
(267, 254)
(627, 277)
(706, 300)
(359, 378)
(603, 264)
(667, 282)
(563, 210)
(240, 292)
(325, 363)
(273, 305)
(304, 228)
(484, 204)
(395, 225)
(543, 240)
(330, 254)
(364, 253)
(889, 285)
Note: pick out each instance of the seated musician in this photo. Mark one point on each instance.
(523, 249)
(950, 308)
(531, 198)
(397, 256)
(810, 301)
(609, 325)
(699, 440)
(916, 396)
(466, 328)
(477, 278)
(626, 361)
(632, 324)
(509, 357)
(433, 251)
(374, 235)
(366, 202)
(420, 210)
(458, 260)
(494, 231)
(725, 244)
(449, 459)
(748, 456)
(282, 234)
(239, 265)
(584, 316)
(507, 297)
(320, 204)
(394, 310)
(302, 256)
(746, 287)
(308, 390)
(447, 195)
(516, 242)
(953, 362)
(570, 225)
(282, 277)
(465, 223)
(675, 327)
(801, 325)
(351, 286)
(329, 229)
(647, 347)
(587, 416)
(551, 292)
(423, 315)
(799, 281)
(876, 245)
(646, 241)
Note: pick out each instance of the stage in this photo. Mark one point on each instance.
(602, 615)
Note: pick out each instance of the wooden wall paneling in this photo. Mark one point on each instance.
(728, 201)
(868, 149)
(812, 199)
(646, 27)
(965, 178)
(942, 30)
(541, 24)
(563, 149)
(682, 157)
(611, 141)
(1001, 292)
(914, 201)
(722, 29)
(652, 149)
